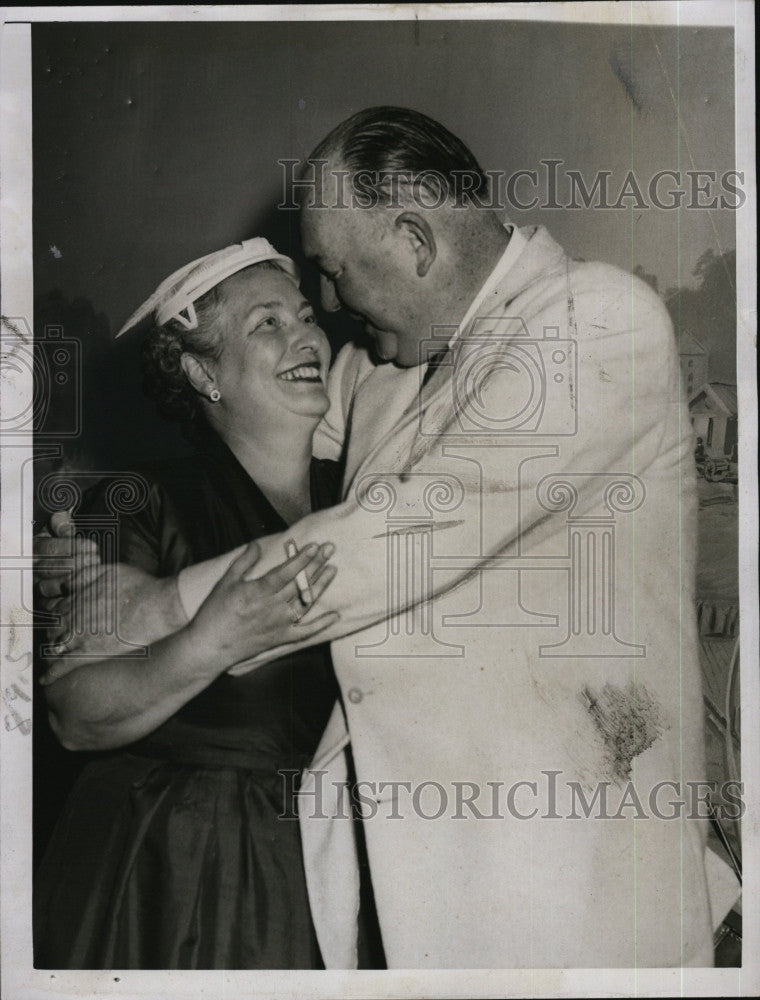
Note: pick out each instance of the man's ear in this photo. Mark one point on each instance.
(423, 241)
(197, 374)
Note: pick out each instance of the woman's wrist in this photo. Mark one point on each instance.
(205, 652)
(196, 654)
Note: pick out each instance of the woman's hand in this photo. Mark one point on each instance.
(98, 705)
(241, 618)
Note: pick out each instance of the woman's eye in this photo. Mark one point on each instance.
(267, 323)
(310, 318)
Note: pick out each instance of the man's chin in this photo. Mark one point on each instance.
(385, 344)
(387, 348)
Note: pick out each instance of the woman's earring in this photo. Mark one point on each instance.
(215, 395)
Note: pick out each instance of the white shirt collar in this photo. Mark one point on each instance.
(516, 245)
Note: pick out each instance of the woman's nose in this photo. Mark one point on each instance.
(330, 300)
(308, 336)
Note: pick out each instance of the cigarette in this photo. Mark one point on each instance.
(302, 580)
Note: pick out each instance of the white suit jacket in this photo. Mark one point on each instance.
(516, 557)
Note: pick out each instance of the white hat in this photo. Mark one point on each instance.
(174, 297)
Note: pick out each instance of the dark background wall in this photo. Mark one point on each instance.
(156, 143)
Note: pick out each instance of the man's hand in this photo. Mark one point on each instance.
(62, 561)
(104, 610)
(122, 608)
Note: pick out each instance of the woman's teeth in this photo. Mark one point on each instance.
(304, 373)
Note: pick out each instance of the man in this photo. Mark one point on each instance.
(516, 646)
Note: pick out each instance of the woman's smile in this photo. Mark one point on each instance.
(272, 336)
(309, 372)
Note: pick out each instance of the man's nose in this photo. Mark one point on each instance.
(330, 300)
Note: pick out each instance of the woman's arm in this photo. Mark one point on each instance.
(109, 703)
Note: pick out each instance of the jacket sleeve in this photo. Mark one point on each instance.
(625, 402)
(351, 365)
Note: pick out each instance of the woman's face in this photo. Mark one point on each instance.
(274, 357)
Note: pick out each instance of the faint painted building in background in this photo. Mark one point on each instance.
(713, 412)
(694, 363)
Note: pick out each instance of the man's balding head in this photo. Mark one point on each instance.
(388, 144)
(397, 223)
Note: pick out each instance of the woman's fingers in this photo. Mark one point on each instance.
(258, 594)
(321, 582)
(245, 561)
(293, 608)
(286, 603)
(290, 601)
(313, 626)
(280, 576)
(307, 561)
(319, 569)
(323, 555)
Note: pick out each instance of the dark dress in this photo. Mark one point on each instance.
(171, 852)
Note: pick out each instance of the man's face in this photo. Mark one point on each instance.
(368, 269)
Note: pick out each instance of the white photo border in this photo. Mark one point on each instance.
(19, 979)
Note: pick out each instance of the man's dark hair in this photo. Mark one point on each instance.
(399, 141)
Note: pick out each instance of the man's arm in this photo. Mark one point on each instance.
(149, 607)
(71, 581)
(627, 392)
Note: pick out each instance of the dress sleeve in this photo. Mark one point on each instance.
(136, 537)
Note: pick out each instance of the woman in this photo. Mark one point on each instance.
(171, 852)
